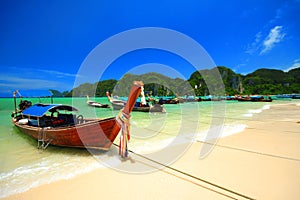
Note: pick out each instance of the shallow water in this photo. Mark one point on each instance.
(22, 166)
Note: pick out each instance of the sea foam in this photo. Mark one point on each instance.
(214, 132)
(223, 131)
(250, 112)
(45, 171)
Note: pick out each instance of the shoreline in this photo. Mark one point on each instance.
(261, 162)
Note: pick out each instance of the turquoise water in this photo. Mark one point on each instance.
(23, 166)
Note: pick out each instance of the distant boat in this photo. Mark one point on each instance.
(139, 106)
(96, 104)
(162, 101)
(254, 99)
(287, 96)
(205, 98)
(283, 96)
(296, 96)
(57, 124)
(117, 104)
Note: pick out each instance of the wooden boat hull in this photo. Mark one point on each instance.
(117, 106)
(94, 134)
(141, 109)
(154, 108)
(168, 101)
(97, 104)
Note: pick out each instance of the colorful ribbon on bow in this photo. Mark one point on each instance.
(123, 119)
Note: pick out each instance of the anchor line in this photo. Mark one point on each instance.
(194, 177)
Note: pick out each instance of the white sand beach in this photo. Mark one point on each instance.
(262, 162)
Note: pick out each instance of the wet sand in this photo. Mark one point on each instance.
(262, 162)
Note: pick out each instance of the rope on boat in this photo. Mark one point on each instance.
(124, 121)
(195, 177)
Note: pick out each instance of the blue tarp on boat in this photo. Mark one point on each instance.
(38, 110)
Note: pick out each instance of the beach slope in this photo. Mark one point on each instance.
(262, 162)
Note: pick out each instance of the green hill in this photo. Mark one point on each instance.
(155, 84)
(271, 81)
(221, 80)
(96, 89)
(216, 76)
(261, 81)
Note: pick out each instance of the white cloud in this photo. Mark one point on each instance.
(58, 73)
(34, 79)
(254, 46)
(275, 36)
(27, 83)
(32, 86)
(294, 66)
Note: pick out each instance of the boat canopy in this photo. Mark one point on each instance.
(38, 110)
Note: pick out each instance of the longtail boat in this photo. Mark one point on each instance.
(254, 99)
(95, 103)
(139, 106)
(162, 101)
(49, 126)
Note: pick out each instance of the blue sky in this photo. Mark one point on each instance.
(44, 43)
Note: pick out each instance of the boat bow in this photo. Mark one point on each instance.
(123, 118)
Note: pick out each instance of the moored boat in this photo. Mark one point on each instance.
(296, 96)
(59, 125)
(96, 104)
(188, 99)
(254, 99)
(168, 100)
(140, 106)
